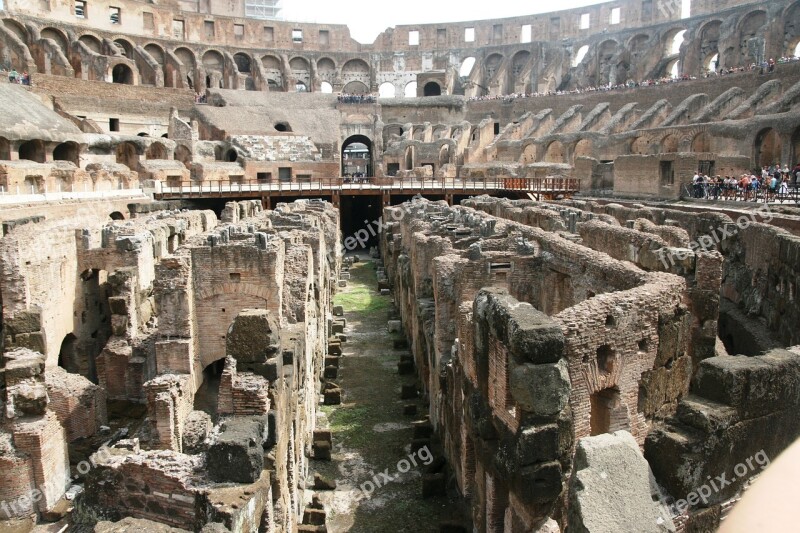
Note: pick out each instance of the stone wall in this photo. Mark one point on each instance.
(607, 341)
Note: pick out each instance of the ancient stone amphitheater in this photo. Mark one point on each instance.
(246, 264)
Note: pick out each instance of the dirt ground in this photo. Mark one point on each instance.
(370, 432)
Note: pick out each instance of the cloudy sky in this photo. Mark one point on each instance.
(367, 19)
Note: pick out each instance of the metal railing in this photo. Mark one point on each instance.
(737, 194)
(377, 185)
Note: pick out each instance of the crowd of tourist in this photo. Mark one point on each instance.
(200, 98)
(765, 67)
(766, 184)
(356, 99)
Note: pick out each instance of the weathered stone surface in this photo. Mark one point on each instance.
(237, 454)
(541, 389)
(612, 488)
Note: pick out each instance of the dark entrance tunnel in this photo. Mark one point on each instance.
(359, 215)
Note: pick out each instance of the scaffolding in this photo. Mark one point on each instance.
(262, 9)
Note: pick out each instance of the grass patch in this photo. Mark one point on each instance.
(352, 425)
(359, 297)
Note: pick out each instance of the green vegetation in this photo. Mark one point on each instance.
(360, 298)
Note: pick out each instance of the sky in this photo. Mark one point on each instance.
(368, 19)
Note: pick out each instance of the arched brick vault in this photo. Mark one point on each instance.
(216, 307)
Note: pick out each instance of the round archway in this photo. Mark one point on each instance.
(127, 154)
(355, 87)
(768, 147)
(156, 151)
(432, 89)
(122, 74)
(67, 151)
(357, 156)
(32, 151)
(5, 149)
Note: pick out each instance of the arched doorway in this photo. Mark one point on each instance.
(5, 149)
(357, 156)
(355, 87)
(432, 89)
(128, 155)
(116, 215)
(66, 355)
(122, 74)
(768, 147)
(156, 151)
(67, 151)
(184, 155)
(32, 151)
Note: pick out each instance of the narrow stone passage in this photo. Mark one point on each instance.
(371, 435)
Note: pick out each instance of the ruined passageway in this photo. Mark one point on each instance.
(370, 432)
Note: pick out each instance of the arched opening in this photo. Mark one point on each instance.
(640, 146)
(554, 152)
(127, 154)
(125, 48)
(608, 413)
(156, 52)
(242, 62)
(122, 74)
(283, 126)
(466, 67)
(206, 398)
(326, 69)
(432, 89)
(411, 90)
(583, 148)
(143, 134)
(300, 87)
(701, 142)
(752, 41)
(32, 151)
(301, 71)
(768, 147)
(355, 87)
(17, 29)
(444, 155)
(409, 158)
(529, 154)
(357, 156)
(116, 215)
(355, 70)
(184, 155)
(213, 64)
(386, 90)
(711, 63)
(66, 355)
(156, 151)
(578, 59)
(5, 149)
(92, 42)
(325, 87)
(674, 41)
(273, 72)
(68, 151)
(231, 156)
(57, 36)
(670, 144)
(674, 69)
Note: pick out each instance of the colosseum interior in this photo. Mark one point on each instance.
(256, 276)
